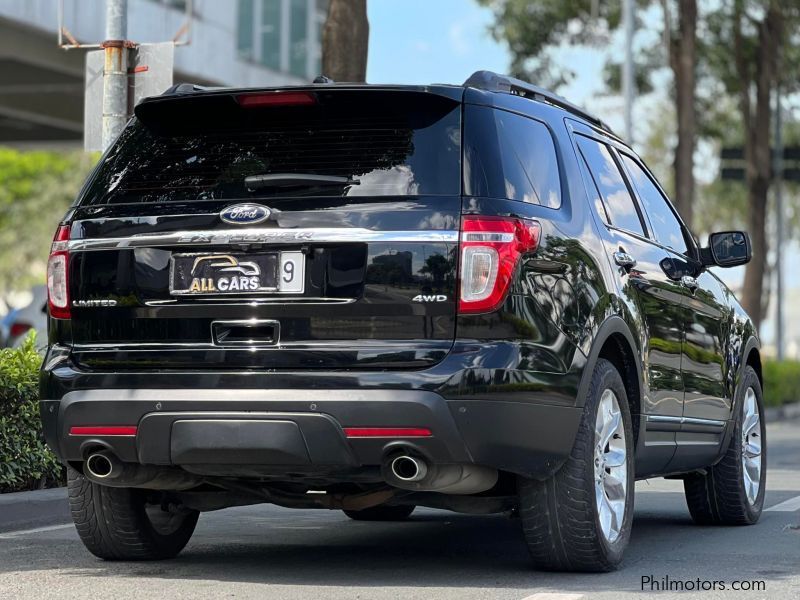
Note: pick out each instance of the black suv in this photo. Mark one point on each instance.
(371, 298)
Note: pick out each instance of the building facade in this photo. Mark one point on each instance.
(231, 42)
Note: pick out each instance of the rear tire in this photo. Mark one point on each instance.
(730, 492)
(381, 513)
(120, 524)
(561, 516)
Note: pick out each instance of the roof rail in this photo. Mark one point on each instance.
(494, 82)
(186, 88)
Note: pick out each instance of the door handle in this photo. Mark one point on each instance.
(624, 260)
(689, 282)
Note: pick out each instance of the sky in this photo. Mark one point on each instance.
(430, 41)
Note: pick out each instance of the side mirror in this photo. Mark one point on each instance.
(727, 249)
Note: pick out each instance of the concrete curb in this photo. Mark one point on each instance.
(39, 508)
(782, 413)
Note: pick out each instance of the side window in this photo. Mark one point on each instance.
(666, 227)
(592, 191)
(606, 174)
(510, 156)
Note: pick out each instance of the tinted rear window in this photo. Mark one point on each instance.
(510, 156)
(393, 143)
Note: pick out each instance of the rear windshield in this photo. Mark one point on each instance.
(384, 143)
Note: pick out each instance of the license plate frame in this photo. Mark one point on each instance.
(209, 274)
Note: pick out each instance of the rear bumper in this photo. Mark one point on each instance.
(291, 430)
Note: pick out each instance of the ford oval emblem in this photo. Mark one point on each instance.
(245, 214)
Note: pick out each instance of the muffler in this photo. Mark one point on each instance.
(104, 468)
(411, 472)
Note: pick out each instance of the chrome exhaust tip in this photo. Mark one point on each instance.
(408, 468)
(103, 465)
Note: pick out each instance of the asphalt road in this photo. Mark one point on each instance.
(270, 552)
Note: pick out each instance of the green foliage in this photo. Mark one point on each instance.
(36, 189)
(532, 29)
(781, 382)
(25, 461)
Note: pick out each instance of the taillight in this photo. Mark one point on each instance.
(57, 275)
(490, 250)
(276, 99)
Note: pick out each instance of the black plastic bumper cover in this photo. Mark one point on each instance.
(305, 427)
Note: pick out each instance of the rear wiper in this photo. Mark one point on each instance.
(254, 182)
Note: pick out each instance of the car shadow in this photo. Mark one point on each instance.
(432, 549)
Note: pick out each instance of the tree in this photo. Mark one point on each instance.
(36, 188)
(682, 50)
(750, 52)
(345, 41)
(532, 29)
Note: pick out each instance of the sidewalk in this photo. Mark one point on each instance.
(781, 413)
(25, 510)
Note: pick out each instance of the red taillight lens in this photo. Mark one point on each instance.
(276, 99)
(490, 250)
(57, 275)
(17, 329)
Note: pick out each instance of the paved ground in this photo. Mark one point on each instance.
(268, 552)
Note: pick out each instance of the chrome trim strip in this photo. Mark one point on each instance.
(362, 345)
(247, 301)
(223, 237)
(686, 420)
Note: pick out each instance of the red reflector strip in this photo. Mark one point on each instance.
(382, 432)
(103, 430)
(276, 99)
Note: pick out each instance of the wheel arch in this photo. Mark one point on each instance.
(752, 358)
(615, 343)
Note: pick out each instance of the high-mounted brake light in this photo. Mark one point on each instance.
(58, 275)
(276, 99)
(490, 250)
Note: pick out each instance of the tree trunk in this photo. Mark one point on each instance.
(683, 61)
(757, 153)
(345, 40)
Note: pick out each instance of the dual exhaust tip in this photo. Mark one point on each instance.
(408, 468)
(412, 472)
(103, 465)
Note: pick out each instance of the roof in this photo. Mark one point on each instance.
(482, 80)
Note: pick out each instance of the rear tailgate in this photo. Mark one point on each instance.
(167, 270)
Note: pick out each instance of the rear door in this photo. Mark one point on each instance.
(656, 299)
(278, 229)
(705, 315)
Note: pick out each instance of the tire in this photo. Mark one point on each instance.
(119, 523)
(381, 513)
(720, 496)
(560, 516)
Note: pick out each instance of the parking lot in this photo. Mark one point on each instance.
(269, 552)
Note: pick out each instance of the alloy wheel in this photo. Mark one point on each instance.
(610, 466)
(751, 446)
